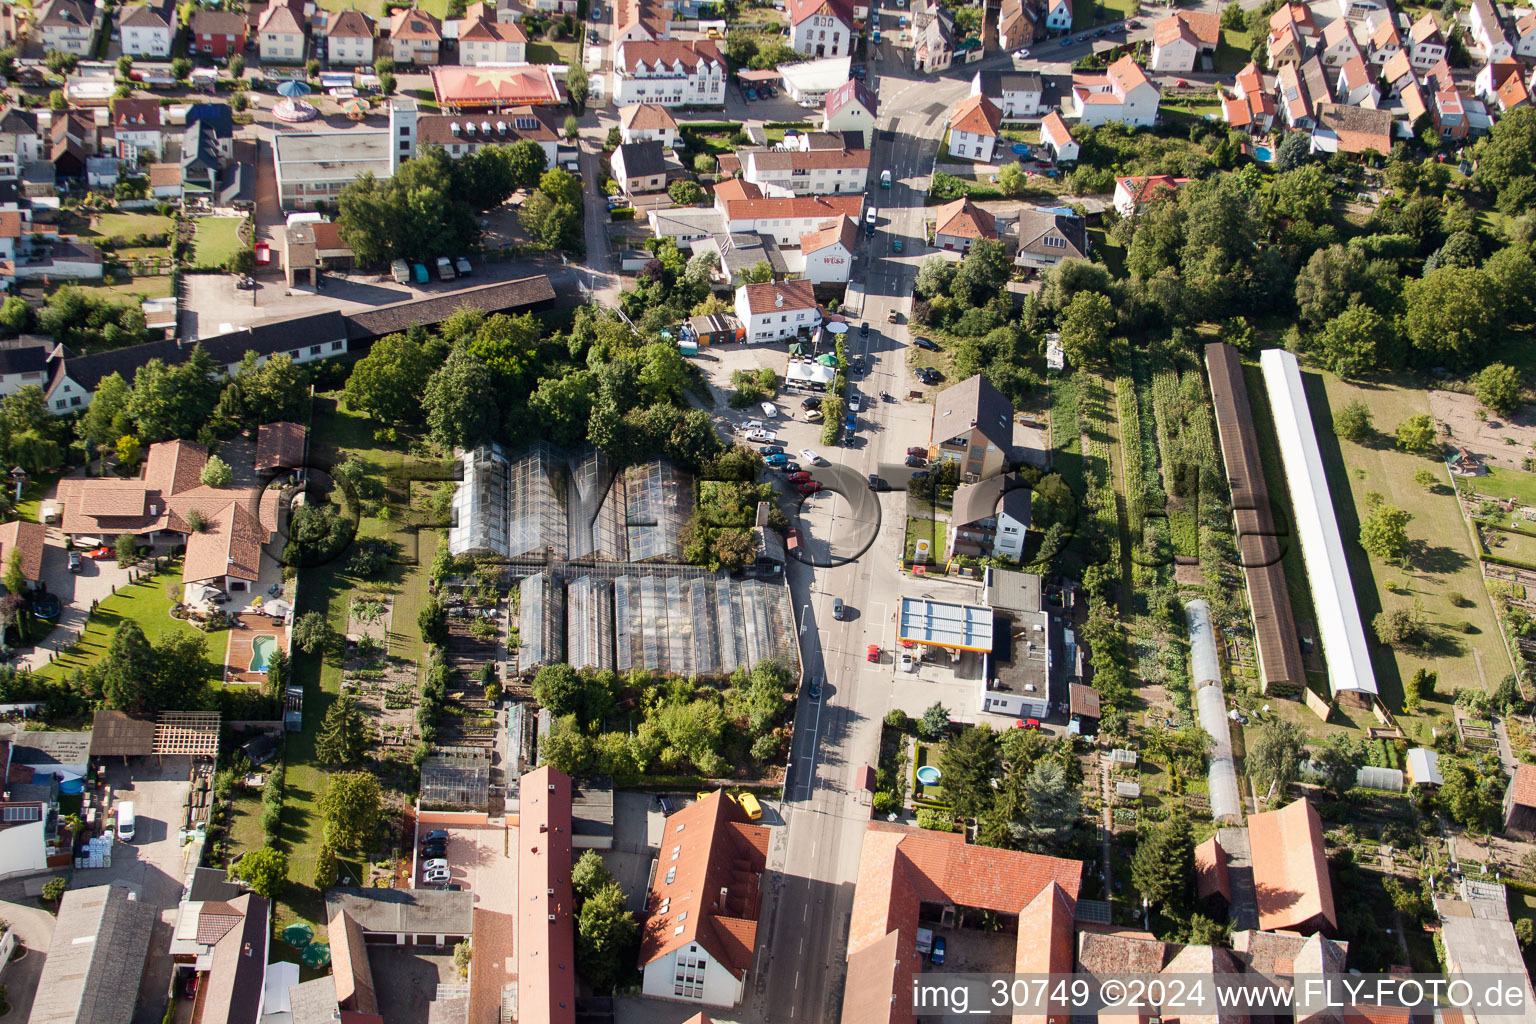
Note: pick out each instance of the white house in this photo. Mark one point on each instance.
(990, 518)
(1488, 32)
(492, 42)
(974, 127)
(1133, 193)
(19, 142)
(821, 165)
(1047, 237)
(349, 38)
(644, 121)
(67, 26)
(958, 224)
(669, 73)
(1251, 107)
(1057, 138)
(828, 251)
(1180, 39)
(1122, 93)
(774, 311)
(1058, 15)
(701, 926)
(1356, 85)
(744, 208)
(1385, 40)
(1525, 35)
(850, 108)
(1425, 42)
(640, 166)
(136, 130)
(147, 30)
(1017, 94)
(280, 32)
(821, 28)
(1338, 44)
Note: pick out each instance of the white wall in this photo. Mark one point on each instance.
(720, 986)
(22, 849)
(829, 266)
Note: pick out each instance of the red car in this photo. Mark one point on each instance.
(808, 486)
(921, 453)
(1027, 723)
(798, 478)
(101, 552)
(873, 654)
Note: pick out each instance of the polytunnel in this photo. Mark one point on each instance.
(1211, 705)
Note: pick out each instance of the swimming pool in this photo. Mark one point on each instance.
(261, 652)
(1262, 154)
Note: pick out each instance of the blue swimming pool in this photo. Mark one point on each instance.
(261, 652)
(1263, 154)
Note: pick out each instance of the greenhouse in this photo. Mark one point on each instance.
(595, 509)
(541, 621)
(536, 503)
(480, 504)
(659, 501)
(589, 623)
(456, 782)
(1205, 673)
(704, 626)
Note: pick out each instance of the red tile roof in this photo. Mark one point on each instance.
(546, 919)
(27, 540)
(1523, 788)
(647, 117)
(409, 23)
(1126, 75)
(843, 229)
(964, 219)
(498, 31)
(1045, 944)
(713, 895)
(799, 10)
(977, 115)
(690, 54)
(1211, 870)
(10, 223)
(174, 466)
(1143, 188)
(1290, 869)
(765, 298)
(229, 545)
(1298, 15)
(1204, 30)
(1425, 28)
(135, 115)
(280, 445)
(790, 208)
(1385, 35)
(1053, 128)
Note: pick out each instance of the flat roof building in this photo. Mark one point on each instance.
(960, 627)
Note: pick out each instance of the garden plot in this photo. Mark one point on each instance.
(368, 616)
(1502, 443)
(386, 692)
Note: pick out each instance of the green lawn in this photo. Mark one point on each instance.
(124, 287)
(32, 496)
(1086, 15)
(376, 8)
(563, 52)
(216, 240)
(919, 528)
(146, 603)
(126, 225)
(1523, 905)
(1234, 52)
(1444, 561)
(1111, 253)
(1506, 483)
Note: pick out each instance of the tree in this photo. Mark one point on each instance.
(264, 870)
(527, 162)
(1338, 277)
(15, 580)
(1052, 807)
(351, 808)
(387, 83)
(577, 86)
(1402, 626)
(760, 272)
(174, 401)
(344, 736)
(1452, 314)
(1353, 422)
(128, 670)
(969, 761)
(1164, 863)
(1525, 932)
(433, 623)
(590, 875)
(1012, 179)
(326, 869)
(1425, 478)
(572, 127)
(419, 213)
(934, 277)
(54, 889)
(311, 633)
(606, 934)
(126, 548)
(460, 401)
(685, 193)
(129, 451)
(1507, 160)
(1384, 533)
(1085, 327)
(1339, 761)
(216, 472)
(1499, 387)
(105, 419)
(389, 381)
(56, 100)
(124, 66)
(15, 315)
(561, 186)
(935, 721)
(1417, 434)
(1469, 795)
(1293, 151)
(237, 66)
(1513, 274)
(1352, 342)
(1275, 756)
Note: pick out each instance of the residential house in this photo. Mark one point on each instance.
(73, 139)
(700, 933)
(1426, 44)
(1058, 16)
(415, 37)
(136, 130)
(975, 124)
(1520, 801)
(1502, 82)
(165, 182)
(823, 163)
(19, 539)
(1525, 35)
(958, 224)
(934, 38)
(15, 225)
(1297, 15)
(821, 28)
(281, 32)
(1356, 85)
(774, 311)
(1397, 72)
(1285, 45)
(990, 519)
(1017, 94)
(641, 122)
(390, 917)
(147, 30)
(96, 958)
(1182, 38)
(850, 108)
(1450, 113)
(10, 16)
(461, 135)
(1056, 138)
(68, 26)
(200, 158)
(1488, 32)
(1122, 93)
(640, 167)
(972, 425)
(349, 39)
(24, 360)
(492, 42)
(1359, 10)
(743, 208)
(828, 251)
(218, 34)
(1295, 101)
(1342, 129)
(1251, 106)
(1019, 23)
(1047, 237)
(1384, 40)
(741, 253)
(906, 873)
(20, 143)
(669, 73)
(1338, 45)
(224, 945)
(640, 21)
(1134, 193)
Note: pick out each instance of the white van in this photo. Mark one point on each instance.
(125, 821)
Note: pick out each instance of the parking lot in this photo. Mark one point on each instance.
(75, 591)
(482, 860)
(155, 865)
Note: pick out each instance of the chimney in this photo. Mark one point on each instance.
(778, 300)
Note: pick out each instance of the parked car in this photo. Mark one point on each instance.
(907, 664)
(1067, 41)
(462, 266)
(815, 687)
(808, 486)
(593, 38)
(938, 949)
(74, 561)
(864, 329)
(914, 461)
(926, 343)
(893, 317)
(101, 552)
(436, 862)
(776, 461)
(921, 453)
(811, 403)
(762, 436)
(877, 483)
(1029, 723)
(810, 456)
(853, 403)
(872, 653)
(773, 449)
(437, 877)
(896, 245)
(597, 12)
(434, 835)
(436, 852)
(752, 425)
(769, 410)
(798, 476)
(1021, 54)
(751, 95)
(813, 416)
(791, 467)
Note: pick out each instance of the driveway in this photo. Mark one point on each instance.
(34, 933)
(155, 864)
(76, 591)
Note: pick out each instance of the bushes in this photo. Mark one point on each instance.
(272, 803)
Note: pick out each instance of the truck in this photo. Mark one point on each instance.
(885, 178)
(125, 822)
(445, 268)
(925, 941)
(401, 271)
